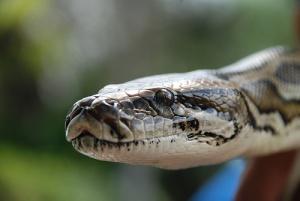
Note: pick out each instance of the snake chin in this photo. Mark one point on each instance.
(88, 141)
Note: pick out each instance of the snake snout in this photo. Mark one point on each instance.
(78, 107)
(100, 120)
(81, 122)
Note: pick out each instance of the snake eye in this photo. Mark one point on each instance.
(165, 97)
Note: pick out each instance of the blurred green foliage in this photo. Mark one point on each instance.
(28, 175)
(55, 52)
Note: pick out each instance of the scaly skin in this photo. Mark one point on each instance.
(203, 117)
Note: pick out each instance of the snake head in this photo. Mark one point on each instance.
(180, 124)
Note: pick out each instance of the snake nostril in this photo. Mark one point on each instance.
(86, 102)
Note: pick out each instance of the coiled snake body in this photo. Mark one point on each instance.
(203, 117)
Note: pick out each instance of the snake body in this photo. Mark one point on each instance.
(182, 120)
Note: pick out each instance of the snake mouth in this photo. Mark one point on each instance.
(85, 139)
(88, 144)
(88, 140)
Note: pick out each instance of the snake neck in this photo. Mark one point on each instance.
(270, 83)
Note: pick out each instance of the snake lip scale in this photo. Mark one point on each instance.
(182, 120)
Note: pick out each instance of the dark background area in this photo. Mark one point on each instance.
(54, 52)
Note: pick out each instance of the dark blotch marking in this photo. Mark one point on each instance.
(287, 109)
(191, 135)
(114, 129)
(219, 139)
(182, 125)
(206, 98)
(289, 72)
(190, 123)
(252, 121)
(193, 123)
